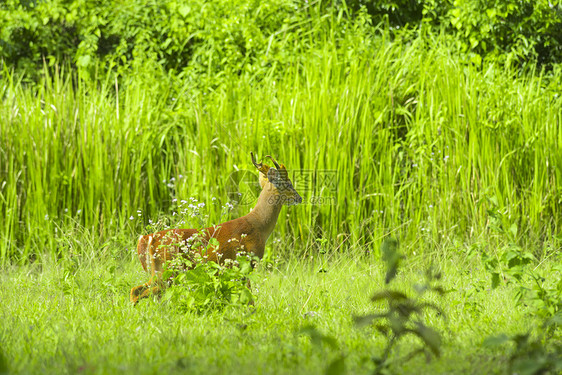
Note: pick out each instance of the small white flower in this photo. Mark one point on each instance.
(201, 204)
(131, 218)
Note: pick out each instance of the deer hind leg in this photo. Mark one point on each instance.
(146, 289)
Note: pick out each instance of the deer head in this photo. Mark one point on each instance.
(278, 182)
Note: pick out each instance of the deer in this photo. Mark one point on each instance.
(246, 234)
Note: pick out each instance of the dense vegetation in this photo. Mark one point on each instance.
(436, 122)
(205, 40)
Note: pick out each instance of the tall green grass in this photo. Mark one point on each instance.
(423, 147)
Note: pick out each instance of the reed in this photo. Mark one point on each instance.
(420, 146)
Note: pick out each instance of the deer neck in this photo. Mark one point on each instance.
(265, 213)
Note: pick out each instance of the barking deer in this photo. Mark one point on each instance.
(248, 233)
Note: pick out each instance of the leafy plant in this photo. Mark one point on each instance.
(512, 263)
(534, 288)
(544, 294)
(201, 285)
(530, 356)
(403, 315)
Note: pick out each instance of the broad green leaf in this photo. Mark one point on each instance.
(389, 295)
(495, 280)
(493, 341)
(430, 336)
(365, 320)
(391, 256)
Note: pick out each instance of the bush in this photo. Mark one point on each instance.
(200, 38)
(512, 30)
(211, 286)
(211, 39)
(518, 31)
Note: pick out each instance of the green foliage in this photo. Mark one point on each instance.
(398, 13)
(204, 42)
(511, 31)
(544, 292)
(403, 315)
(530, 356)
(538, 287)
(391, 256)
(208, 286)
(115, 114)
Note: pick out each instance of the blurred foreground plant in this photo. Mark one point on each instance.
(403, 315)
(530, 355)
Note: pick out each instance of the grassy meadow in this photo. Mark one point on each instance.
(63, 320)
(383, 138)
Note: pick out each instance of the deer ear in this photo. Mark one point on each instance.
(274, 177)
